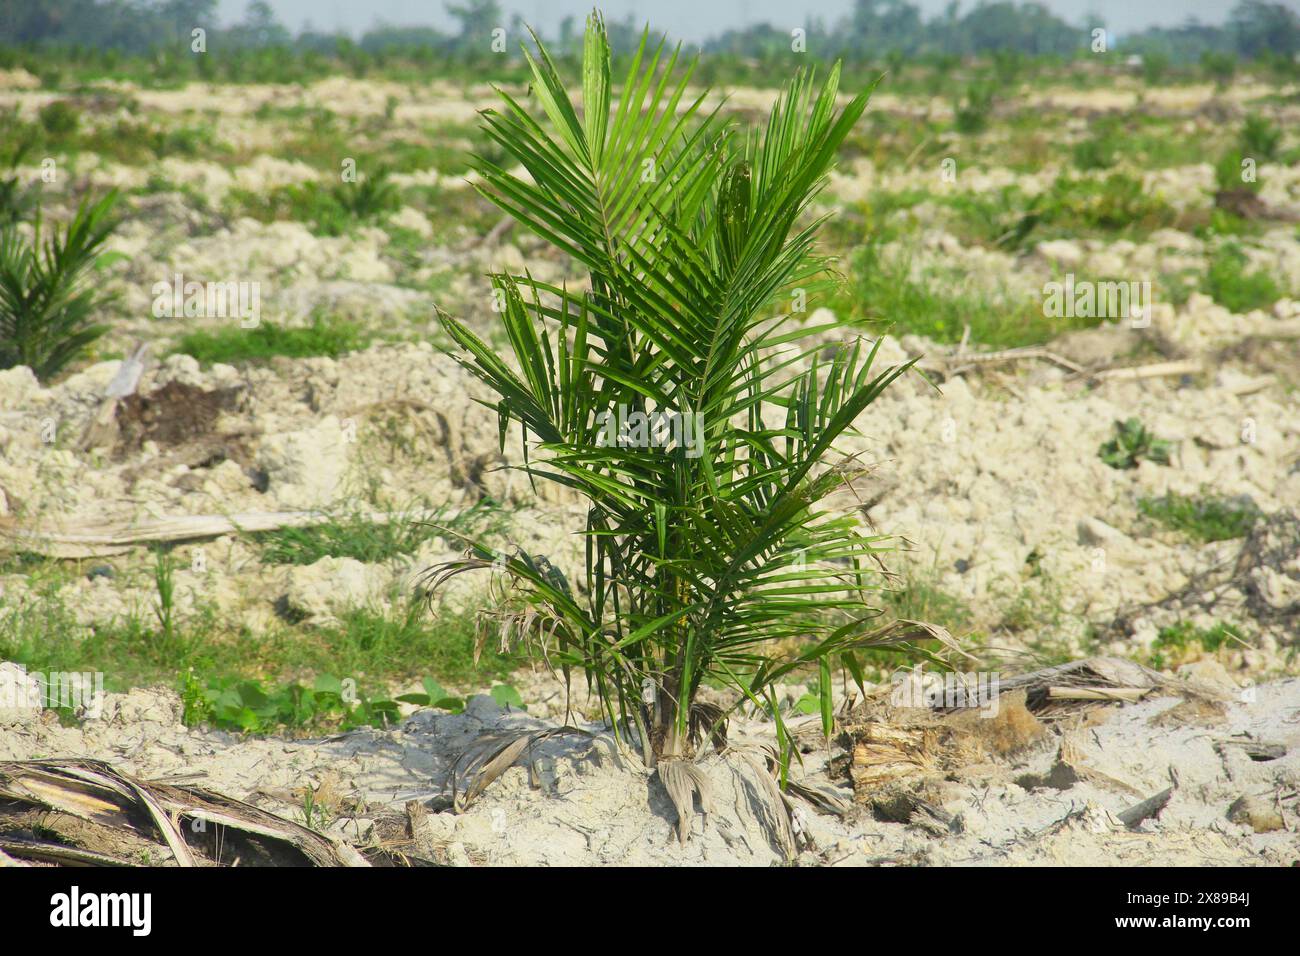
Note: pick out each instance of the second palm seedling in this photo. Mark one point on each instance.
(48, 308)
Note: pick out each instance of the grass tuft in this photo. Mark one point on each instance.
(1178, 640)
(885, 294)
(1205, 519)
(355, 536)
(1231, 284)
(330, 337)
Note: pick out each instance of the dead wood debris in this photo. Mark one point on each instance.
(1149, 807)
(77, 812)
(962, 362)
(1234, 586)
(900, 757)
(109, 539)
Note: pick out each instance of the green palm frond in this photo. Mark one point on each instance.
(47, 305)
(702, 550)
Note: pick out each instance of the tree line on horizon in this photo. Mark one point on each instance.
(873, 30)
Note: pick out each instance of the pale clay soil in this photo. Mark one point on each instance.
(575, 801)
(973, 478)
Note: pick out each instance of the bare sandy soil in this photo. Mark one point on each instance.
(1002, 790)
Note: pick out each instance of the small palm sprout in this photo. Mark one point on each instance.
(696, 419)
(48, 302)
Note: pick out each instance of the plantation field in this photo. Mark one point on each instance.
(1096, 454)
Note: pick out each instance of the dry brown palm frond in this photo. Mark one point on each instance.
(821, 797)
(508, 618)
(772, 806)
(708, 719)
(905, 631)
(95, 793)
(432, 579)
(491, 755)
(1064, 689)
(683, 780)
(824, 798)
(101, 816)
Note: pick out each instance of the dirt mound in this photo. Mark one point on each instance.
(175, 414)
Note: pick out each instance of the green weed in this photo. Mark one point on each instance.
(1131, 444)
(971, 113)
(888, 295)
(329, 704)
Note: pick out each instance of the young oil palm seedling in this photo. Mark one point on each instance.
(16, 196)
(367, 198)
(47, 306)
(681, 396)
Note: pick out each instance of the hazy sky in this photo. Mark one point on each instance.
(694, 20)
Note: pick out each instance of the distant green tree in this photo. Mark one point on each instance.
(1219, 67)
(1155, 64)
(403, 39)
(1262, 28)
(876, 26)
(1027, 27)
(1182, 44)
(567, 34)
(871, 30)
(177, 18)
(259, 28)
(477, 18)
